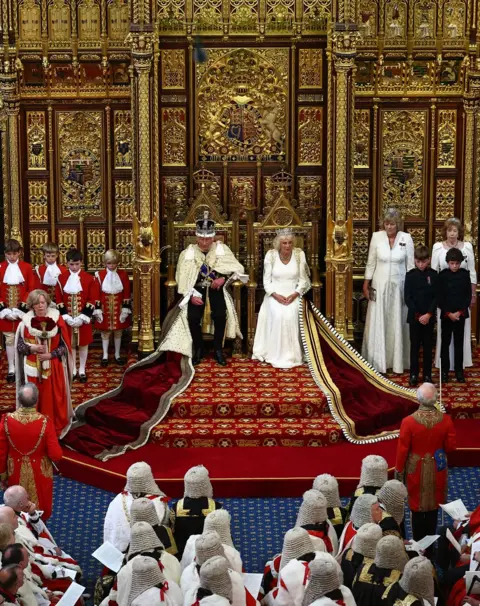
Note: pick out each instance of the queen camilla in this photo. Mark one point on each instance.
(285, 280)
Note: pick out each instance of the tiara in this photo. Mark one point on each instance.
(285, 232)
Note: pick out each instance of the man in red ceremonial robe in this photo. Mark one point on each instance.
(16, 281)
(44, 357)
(425, 438)
(28, 445)
(77, 298)
(45, 276)
(116, 305)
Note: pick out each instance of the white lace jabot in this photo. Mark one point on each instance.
(112, 283)
(51, 274)
(73, 285)
(13, 274)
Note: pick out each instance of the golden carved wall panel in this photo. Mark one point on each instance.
(360, 247)
(424, 16)
(418, 235)
(124, 247)
(173, 69)
(395, 22)
(174, 136)
(175, 191)
(362, 138)
(122, 135)
(36, 140)
(244, 16)
(29, 20)
(309, 194)
(242, 193)
(80, 161)
(445, 199)
(242, 100)
(88, 21)
(310, 127)
(59, 23)
(403, 141)
(361, 200)
(96, 246)
(438, 234)
(454, 20)
(316, 15)
(280, 15)
(38, 237)
(66, 239)
(207, 15)
(38, 201)
(171, 16)
(118, 16)
(368, 12)
(124, 200)
(310, 68)
(447, 138)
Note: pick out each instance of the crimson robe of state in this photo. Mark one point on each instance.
(39, 276)
(14, 295)
(28, 445)
(425, 438)
(113, 303)
(83, 302)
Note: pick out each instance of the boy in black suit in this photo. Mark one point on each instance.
(421, 300)
(454, 298)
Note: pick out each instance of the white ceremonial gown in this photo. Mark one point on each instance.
(439, 263)
(386, 341)
(277, 338)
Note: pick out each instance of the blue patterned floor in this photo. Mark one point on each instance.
(258, 525)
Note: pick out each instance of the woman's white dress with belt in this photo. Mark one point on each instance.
(386, 341)
(439, 263)
(277, 338)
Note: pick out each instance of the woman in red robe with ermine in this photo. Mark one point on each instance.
(44, 357)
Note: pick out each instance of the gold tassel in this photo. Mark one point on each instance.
(207, 315)
(27, 479)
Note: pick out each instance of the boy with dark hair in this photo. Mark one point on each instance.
(78, 300)
(421, 300)
(454, 298)
(16, 281)
(46, 275)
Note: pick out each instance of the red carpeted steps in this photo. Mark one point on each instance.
(246, 404)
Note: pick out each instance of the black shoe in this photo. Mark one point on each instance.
(82, 378)
(413, 380)
(218, 355)
(120, 361)
(197, 357)
(11, 377)
(104, 362)
(444, 377)
(460, 377)
(427, 379)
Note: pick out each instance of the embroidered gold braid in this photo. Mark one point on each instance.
(427, 484)
(428, 418)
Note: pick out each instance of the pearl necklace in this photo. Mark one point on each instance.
(283, 259)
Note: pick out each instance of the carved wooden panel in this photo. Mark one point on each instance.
(37, 237)
(95, 248)
(445, 199)
(174, 136)
(36, 140)
(66, 239)
(310, 126)
(38, 201)
(124, 200)
(360, 247)
(124, 247)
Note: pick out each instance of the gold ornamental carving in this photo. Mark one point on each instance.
(454, 22)
(96, 246)
(80, 162)
(445, 199)
(470, 110)
(59, 21)
(173, 69)
(361, 200)
(424, 23)
(122, 136)
(174, 136)
(309, 195)
(207, 16)
(404, 141)
(124, 200)
(447, 138)
(360, 247)
(361, 125)
(118, 13)
(38, 201)
(124, 247)
(368, 21)
(418, 235)
(242, 99)
(280, 15)
(395, 22)
(315, 15)
(29, 17)
(67, 238)
(242, 194)
(38, 237)
(310, 128)
(175, 191)
(36, 140)
(310, 68)
(88, 21)
(244, 17)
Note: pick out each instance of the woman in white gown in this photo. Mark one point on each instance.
(452, 237)
(285, 280)
(386, 341)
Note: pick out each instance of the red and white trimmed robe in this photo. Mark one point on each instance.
(14, 295)
(346, 538)
(52, 377)
(113, 304)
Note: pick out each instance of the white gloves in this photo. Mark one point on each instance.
(17, 313)
(76, 322)
(98, 314)
(84, 319)
(124, 314)
(67, 318)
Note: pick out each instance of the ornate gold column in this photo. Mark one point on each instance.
(339, 259)
(145, 225)
(10, 146)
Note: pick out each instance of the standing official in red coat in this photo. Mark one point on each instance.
(425, 438)
(28, 445)
(116, 305)
(16, 281)
(46, 276)
(77, 298)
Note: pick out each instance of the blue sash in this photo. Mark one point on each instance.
(440, 459)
